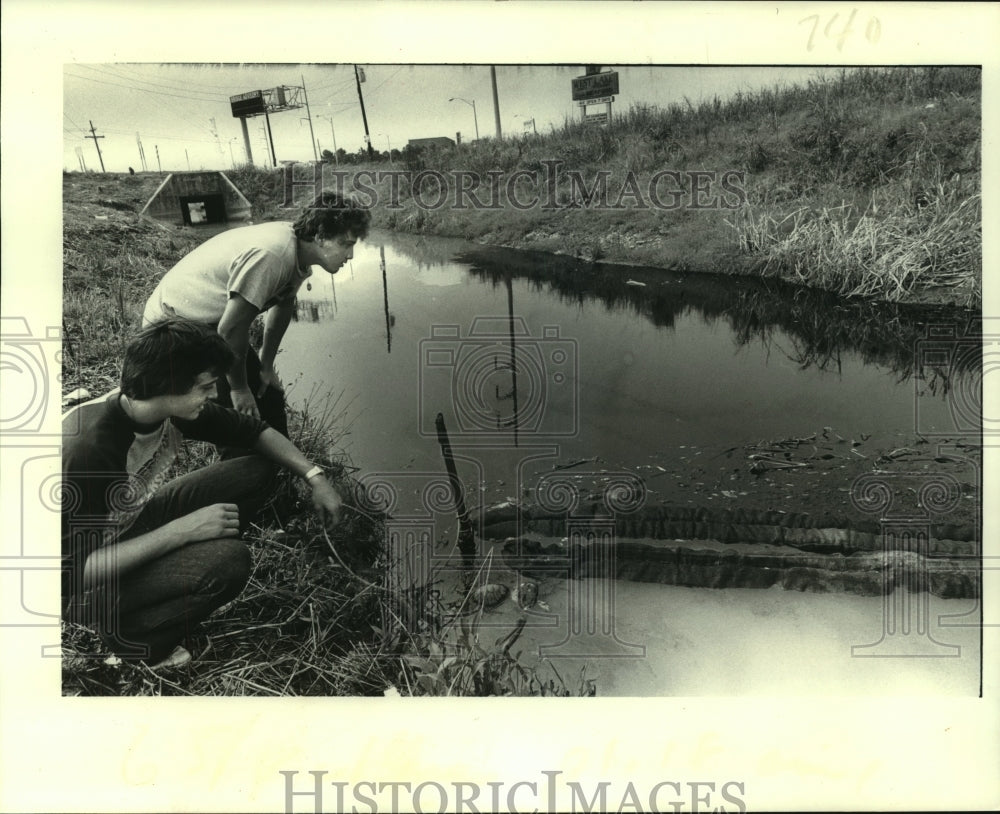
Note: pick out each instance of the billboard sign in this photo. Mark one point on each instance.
(250, 103)
(595, 86)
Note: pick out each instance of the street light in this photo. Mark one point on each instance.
(475, 118)
(388, 146)
(333, 135)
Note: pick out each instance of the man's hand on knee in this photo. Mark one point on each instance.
(210, 523)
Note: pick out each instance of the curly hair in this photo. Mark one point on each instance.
(330, 215)
(167, 357)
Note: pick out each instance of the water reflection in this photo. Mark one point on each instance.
(389, 320)
(822, 327)
(521, 348)
(313, 310)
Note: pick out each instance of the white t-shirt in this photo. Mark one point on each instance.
(258, 262)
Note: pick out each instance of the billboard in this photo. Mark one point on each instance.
(594, 86)
(250, 103)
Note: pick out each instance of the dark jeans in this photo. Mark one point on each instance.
(150, 609)
(271, 405)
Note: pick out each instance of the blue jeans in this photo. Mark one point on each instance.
(149, 610)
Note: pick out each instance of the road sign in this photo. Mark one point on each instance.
(596, 118)
(595, 86)
(250, 103)
(602, 101)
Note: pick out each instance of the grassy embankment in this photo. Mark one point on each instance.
(317, 617)
(867, 185)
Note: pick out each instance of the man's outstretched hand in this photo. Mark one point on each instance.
(268, 378)
(326, 500)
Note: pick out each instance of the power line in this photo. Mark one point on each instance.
(67, 116)
(215, 96)
(185, 84)
(146, 90)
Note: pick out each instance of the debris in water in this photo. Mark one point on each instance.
(525, 595)
(488, 596)
(634, 282)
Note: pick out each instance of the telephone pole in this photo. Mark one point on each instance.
(142, 154)
(364, 117)
(95, 137)
(496, 101)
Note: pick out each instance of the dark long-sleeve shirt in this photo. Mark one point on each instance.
(112, 466)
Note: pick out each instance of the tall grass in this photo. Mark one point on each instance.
(896, 250)
(886, 143)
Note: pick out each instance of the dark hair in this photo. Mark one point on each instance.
(167, 357)
(331, 215)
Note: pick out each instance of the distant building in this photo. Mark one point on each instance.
(436, 141)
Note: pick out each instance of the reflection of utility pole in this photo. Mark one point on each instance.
(385, 297)
(513, 359)
(95, 137)
(358, 79)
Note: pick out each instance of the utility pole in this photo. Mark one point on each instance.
(142, 154)
(270, 139)
(186, 158)
(79, 157)
(312, 135)
(364, 117)
(95, 137)
(159, 166)
(496, 101)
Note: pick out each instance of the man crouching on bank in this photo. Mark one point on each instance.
(146, 559)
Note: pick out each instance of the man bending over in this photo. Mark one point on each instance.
(145, 559)
(234, 276)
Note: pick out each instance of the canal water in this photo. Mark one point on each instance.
(535, 362)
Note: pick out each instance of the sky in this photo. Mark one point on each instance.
(182, 112)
